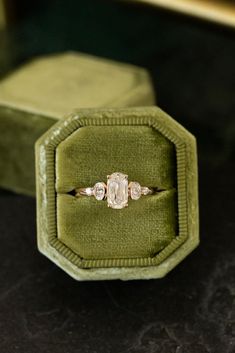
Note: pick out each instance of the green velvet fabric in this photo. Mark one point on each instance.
(91, 229)
(19, 131)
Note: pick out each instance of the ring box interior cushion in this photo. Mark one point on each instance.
(91, 229)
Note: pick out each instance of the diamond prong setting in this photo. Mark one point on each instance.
(135, 190)
(117, 190)
(99, 191)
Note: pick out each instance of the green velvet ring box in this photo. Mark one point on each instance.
(91, 241)
(40, 93)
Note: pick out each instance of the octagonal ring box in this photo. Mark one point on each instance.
(91, 241)
(37, 95)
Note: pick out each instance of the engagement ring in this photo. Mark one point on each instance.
(116, 191)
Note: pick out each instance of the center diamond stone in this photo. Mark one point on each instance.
(117, 190)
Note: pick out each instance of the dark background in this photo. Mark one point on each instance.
(192, 310)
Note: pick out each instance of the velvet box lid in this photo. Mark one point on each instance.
(41, 92)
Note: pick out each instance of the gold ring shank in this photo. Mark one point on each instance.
(146, 190)
(89, 191)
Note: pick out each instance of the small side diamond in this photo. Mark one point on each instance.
(99, 191)
(89, 191)
(146, 191)
(135, 190)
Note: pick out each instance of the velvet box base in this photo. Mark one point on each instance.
(91, 241)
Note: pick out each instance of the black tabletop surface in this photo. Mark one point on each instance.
(192, 310)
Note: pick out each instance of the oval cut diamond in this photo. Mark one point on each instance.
(135, 190)
(99, 191)
(117, 190)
